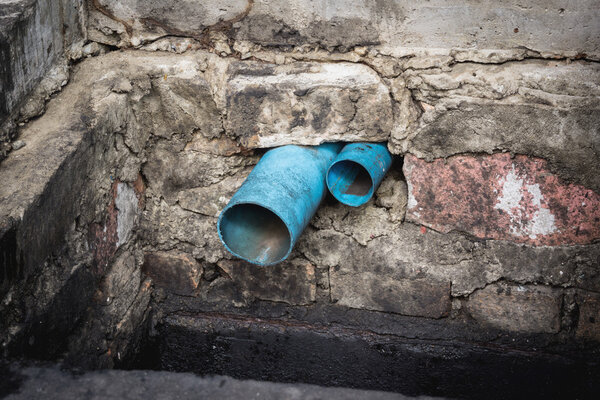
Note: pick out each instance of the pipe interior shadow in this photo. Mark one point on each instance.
(255, 233)
(350, 178)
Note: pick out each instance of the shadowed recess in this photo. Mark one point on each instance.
(349, 182)
(255, 233)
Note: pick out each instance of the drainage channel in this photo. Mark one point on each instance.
(244, 347)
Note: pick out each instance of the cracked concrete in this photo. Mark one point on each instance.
(393, 26)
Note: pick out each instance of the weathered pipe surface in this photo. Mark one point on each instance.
(268, 213)
(357, 172)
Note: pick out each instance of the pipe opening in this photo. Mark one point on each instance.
(255, 233)
(349, 177)
(349, 182)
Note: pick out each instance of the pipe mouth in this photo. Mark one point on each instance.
(350, 182)
(255, 233)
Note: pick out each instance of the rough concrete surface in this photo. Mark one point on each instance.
(555, 28)
(540, 108)
(526, 308)
(371, 291)
(52, 383)
(291, 282)
(480, 248)
(34, 37)
(60, 193)
(589, 311)
(179, 273)
(407, 251)
(268, 106)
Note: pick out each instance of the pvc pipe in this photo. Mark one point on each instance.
(264, 218)
(357, 172)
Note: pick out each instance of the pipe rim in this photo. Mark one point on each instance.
(289, 232)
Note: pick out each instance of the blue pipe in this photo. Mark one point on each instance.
(357, 171)
(264, 218)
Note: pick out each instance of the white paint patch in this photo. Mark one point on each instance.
(126, 203)
(512, 192)
(541, 222)
(412, 202)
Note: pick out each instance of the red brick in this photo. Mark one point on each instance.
(140, 191)
(499, 197)
(103, 238)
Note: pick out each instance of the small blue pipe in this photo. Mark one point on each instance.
(264, 218)
(357, 172)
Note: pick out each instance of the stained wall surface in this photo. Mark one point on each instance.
(485, 231)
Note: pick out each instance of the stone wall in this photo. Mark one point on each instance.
(36, 40)
(70, 262)
(485, 231)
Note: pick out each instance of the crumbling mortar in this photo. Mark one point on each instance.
(459, 261)
(203, 38)
(332, 227)
(537, 56)
(190, 244)
(413, 92)
(104, 11)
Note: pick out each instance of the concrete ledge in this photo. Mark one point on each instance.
(52, 383)
(554, 28)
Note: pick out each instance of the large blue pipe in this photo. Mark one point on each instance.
(265, 217)
(357, 171)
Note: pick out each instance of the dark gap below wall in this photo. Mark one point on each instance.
(278, 351)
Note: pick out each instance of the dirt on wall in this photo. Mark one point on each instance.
(478, 250)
